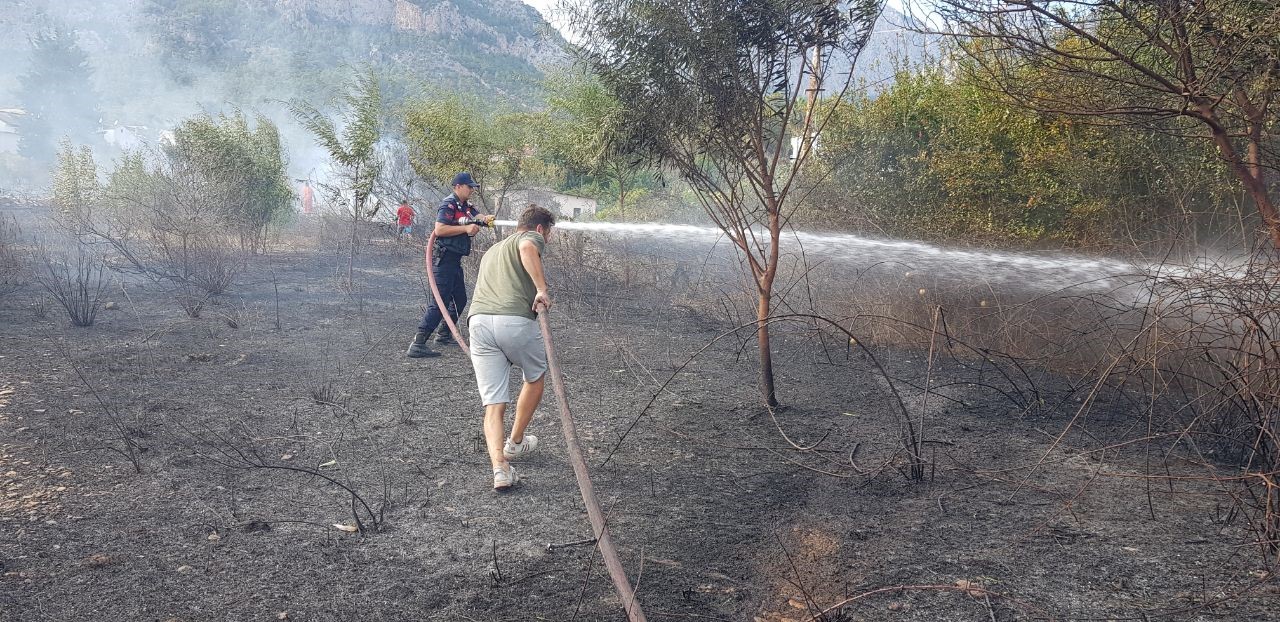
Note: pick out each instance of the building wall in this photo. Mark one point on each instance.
(563, 205)
(573, 207)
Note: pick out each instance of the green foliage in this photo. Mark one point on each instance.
(584, 123)
(942, 158)
(452, 133)
(242, 165)
(131, 192)
(56, 94)
(713, 89)
(721, 79)
(583, 130)
(187, 213)
(1204, 69)
(448, 134)
(76, 188)
(352, 141)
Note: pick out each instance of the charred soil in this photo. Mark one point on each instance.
(252, 440)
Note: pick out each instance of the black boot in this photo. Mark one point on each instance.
(444, 337)
(418, 349)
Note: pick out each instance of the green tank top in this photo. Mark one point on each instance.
(503, 287)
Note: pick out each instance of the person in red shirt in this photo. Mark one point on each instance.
(308, 196)
(404, 217)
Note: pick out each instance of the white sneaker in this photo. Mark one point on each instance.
(504, 479)
(516, 450)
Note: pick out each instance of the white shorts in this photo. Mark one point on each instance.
(497, 343)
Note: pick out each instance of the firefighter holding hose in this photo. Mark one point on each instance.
(457, 221)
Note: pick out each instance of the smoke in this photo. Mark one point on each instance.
(146, 76)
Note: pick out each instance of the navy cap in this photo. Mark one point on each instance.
(464, 179)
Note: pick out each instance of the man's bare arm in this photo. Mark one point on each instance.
(531, 259)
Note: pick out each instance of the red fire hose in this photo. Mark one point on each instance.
(610, 555)
(435, 292)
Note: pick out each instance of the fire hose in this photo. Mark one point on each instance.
(598, 524)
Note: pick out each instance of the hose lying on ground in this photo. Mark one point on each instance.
(598, 525)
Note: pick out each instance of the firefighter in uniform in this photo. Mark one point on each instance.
(456, 222)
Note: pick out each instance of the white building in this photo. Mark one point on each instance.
(8, 131)
(563, 205)
(124, 137)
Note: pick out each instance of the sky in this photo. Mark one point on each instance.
(543, 6)
(547, 9)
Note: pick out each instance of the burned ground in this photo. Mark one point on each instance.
(250, 437)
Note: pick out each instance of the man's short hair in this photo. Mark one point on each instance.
(535, 215)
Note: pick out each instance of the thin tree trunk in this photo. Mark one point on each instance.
(765, 284)
(1257, 183)
(1257, 190)
(766, 356)
(622, 194)
(1249, 174)
(1268, 210)
(351, 252)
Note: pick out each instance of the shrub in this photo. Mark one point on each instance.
(76, 283)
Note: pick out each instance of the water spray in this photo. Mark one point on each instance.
(1043, 270)
(594, 514)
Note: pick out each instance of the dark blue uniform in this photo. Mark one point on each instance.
(446, 264)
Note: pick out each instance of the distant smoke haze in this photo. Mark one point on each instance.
(152, 68)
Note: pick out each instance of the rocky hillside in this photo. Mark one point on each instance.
(211, 53)
(504, 27)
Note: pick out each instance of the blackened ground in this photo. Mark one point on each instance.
(717, 515)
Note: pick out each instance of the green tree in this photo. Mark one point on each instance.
(451, 134)
(584, 130)
(76, 188)
(944, 158)
(243, 165)
(716, 90)
(187, 213)
(1185, 66)
(57, 95)
(353, 148)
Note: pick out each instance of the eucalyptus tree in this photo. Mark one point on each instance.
(722, 92)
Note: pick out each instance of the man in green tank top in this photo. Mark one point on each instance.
(510, 291)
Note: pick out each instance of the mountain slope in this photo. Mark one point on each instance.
(217, 53)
